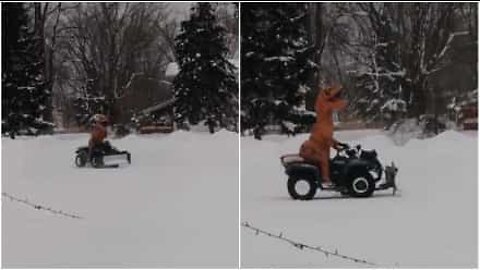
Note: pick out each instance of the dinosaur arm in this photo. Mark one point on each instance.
(336, 144)
(338, 104)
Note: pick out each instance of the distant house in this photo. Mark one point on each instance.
(159, 116)
(464, 110)
(469, 119)
(468, 116)
(171, 71)
(142, 92)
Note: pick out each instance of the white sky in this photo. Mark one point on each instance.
(180, 9)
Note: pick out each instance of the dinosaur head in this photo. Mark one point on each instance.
(332, 93)
(331, 97)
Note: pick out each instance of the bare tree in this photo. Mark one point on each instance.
(227, 14)
(409, 43)
(104, 45)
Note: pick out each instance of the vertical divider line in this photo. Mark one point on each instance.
(478, 150)
(239, 134)
(1, 149)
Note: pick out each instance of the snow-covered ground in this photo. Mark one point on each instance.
(432, 222)
(176, 205)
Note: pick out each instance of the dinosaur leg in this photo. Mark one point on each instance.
(324, 160)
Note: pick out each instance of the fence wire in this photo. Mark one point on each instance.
(40, 207)
(303, 246)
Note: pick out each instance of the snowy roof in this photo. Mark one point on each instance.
(172, 67)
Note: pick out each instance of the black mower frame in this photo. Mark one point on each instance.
(98, 154)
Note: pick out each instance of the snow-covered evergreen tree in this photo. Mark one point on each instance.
(206, 87)
(24, 94)
(276, 64)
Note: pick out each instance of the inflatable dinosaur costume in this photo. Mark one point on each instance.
(317, 148)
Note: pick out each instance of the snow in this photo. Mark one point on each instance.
(382, 44)
(173, 69)
(279, 58)
(361, 13)
(390, 74)
(234, 62)
(278, 102)
(394, 105)
(289, 125)
(432, 222)
(176, 205)
(303, 89)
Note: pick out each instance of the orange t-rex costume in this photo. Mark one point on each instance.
(317, 148)
(99, 131)
(98, 134)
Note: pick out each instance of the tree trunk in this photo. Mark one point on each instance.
(419, 101)
(315, 29)
(39, 28)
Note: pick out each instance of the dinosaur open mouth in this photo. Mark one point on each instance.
(337, 95)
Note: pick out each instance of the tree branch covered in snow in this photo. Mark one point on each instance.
(439, 57)
(405, 53)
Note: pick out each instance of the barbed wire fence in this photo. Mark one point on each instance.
(303, 246)
(40, 207)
